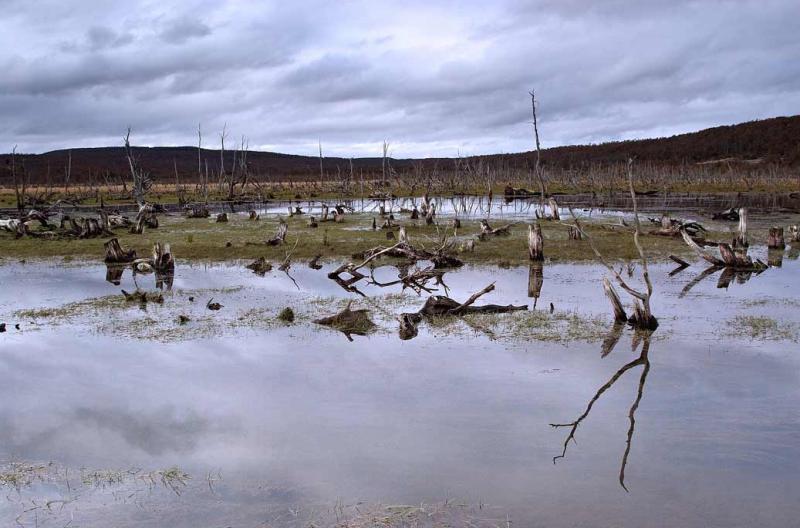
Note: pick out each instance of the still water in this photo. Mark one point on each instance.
(295, 418)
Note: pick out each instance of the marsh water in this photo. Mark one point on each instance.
(281, 424)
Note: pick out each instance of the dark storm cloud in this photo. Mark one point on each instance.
(433, 78)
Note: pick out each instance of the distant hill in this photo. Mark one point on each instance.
(775, 140)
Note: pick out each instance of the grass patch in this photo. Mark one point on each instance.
(765, 328)
(559, 327)
(204, 239)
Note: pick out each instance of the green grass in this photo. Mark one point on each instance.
(240, 238)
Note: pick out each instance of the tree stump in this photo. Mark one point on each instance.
(116, 255)
(535, 243)
(775, 238)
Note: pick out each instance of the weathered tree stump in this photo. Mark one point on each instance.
(740, 241)
(260, 266)
(574, 233)
(616, 304)
(554, 215)
(222, 218)
(116, 255)
(535, 242)
(198, 211)
(254, 216)
(775, 238)
(280, 235)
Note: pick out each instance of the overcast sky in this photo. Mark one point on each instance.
(432, 78)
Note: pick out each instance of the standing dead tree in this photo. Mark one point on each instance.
(538, 166)
(141, 186)
(642, 316)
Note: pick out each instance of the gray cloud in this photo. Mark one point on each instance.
(184, 29)
(433, 79)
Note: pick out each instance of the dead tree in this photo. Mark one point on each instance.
(116, 255)
(535, 242)
(729, 258)
(642, 316)
(537, 167)
(141, 179)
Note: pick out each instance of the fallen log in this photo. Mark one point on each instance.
(488, 231)
(439, 305)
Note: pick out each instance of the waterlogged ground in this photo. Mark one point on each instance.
(116, 414)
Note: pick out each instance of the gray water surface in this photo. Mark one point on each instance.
(275, 419)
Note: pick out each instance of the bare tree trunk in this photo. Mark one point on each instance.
(537, 168)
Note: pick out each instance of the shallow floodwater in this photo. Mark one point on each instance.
(277, 425)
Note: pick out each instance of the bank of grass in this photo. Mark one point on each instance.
(241, 238)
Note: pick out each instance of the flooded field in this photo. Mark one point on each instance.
(167, 413)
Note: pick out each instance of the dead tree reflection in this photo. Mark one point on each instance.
(644, 361)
